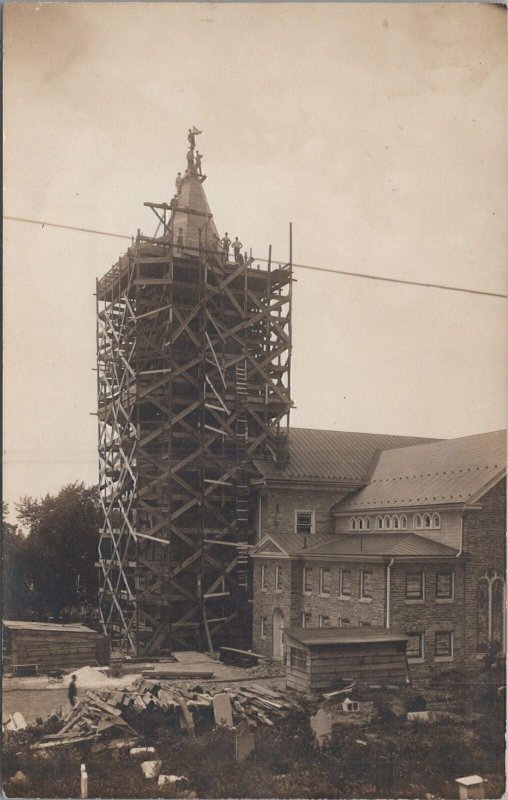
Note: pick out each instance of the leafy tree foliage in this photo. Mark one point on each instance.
(14, 579)
(55, 561)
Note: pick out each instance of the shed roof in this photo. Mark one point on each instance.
(449, 471)
(350, 635)
(12, 624)
(338, 456)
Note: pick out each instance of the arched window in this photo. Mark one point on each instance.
(417, 522)
(366, 523)
(379, 523)
(436, 521)
(360, 524)
(490, 599)
(403, 522)
(387, 524)
(352, 523)
(427, 522)
(395, 522)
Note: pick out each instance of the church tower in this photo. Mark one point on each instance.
(193, 355)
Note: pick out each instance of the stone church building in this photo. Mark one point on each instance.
(403, 532)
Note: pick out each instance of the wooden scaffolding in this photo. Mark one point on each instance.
(193, 355)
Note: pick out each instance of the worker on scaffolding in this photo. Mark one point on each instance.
(174, 203)
(237, 250)
(178, 183)
(225, 242)
(179, 241)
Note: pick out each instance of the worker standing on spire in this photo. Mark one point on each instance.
(225, 242)
(179, 241)
(199, 156)
(178, 183)
(190, 160)
(237, 250)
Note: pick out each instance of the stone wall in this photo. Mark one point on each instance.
(484, 541)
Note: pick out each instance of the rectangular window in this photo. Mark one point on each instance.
(324, 621)
(444, 585)
(414, 649)
(278, 578)
(304, 522)
(343, 622)
(307, 579)
(263, 627)
(324, 581)
(345, 583)
(444, 644)
(365, 584)
(306, 617)
(415, 586)
(298, 658)
(263, 577)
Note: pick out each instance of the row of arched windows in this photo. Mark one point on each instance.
(394, 522)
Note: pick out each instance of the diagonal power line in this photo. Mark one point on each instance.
(315, 268)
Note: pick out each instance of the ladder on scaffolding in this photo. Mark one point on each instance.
(242, 488)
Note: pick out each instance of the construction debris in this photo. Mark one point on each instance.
(103, 711)
(151, 769)
(164, 779)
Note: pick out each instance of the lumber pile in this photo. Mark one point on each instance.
(98, 712)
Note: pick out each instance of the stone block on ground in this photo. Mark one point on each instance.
(151, 769)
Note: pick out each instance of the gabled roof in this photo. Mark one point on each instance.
(380, 544)
(448, 471)
(288, 544)
(335, 456)
(349, 635)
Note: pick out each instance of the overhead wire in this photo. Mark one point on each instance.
(315, 268)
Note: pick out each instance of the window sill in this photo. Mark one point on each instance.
(264, 589)
(443, 659)
(324, 594)
(278, 591)
(416, 660)
(444, 600)
(306, 593)
(346, 597)
(414, 602)
(365, 600)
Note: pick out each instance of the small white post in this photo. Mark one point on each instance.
(84, 782)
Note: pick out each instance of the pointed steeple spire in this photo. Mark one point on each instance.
(193, 223)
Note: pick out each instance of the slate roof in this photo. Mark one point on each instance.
(334, 455)
(447, 471)
(349, 635)
(380, 544)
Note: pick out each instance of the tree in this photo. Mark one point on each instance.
(61, 549)
(14, 578)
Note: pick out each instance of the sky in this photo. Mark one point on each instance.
(378, 130)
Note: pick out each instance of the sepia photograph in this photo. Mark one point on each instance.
(254, 400)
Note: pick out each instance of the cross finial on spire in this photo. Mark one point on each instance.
(191, 136)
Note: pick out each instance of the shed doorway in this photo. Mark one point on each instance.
(278, 633)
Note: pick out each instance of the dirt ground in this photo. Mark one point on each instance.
(36, 697)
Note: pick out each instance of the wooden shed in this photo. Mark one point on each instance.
(49, 646)
(319, 659)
